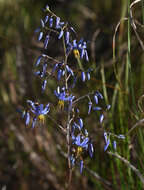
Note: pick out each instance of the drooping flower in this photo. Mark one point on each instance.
(107, 141)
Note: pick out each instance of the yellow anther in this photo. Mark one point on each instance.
(41, 118)
(61, 104)
(79, 151)
(76, 53)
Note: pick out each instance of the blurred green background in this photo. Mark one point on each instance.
(32, 159)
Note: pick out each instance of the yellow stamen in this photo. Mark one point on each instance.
(61, 104)
(76, 53)
(79, 151)
(41, 118)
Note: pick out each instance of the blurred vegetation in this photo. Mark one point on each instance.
(31, 159)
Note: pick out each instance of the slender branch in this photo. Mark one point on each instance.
(82, 97)
(60, 126)
(140, 122)
(137, 172)
(106, 183)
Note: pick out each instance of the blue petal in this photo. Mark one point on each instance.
(91, 150)
(88, 75)
(54, 68)
(50, 22)
(101, 118)
(84, 143)
(60, 34)
(105, 137)
(80, 123)
(44, 85)
(42, 23)
(108, 107)
(67, 37)
(121, 136)
(46, 41)
(34, 122)
(57, 22)
(81, 166)
(97, 108)
(37, 30)
(40, 36)
(46, 110)
(96, 99)
(77, 140)
(59, 74)
(114, 145)
(89, 107)
(83, 76)
(86, 55)
(107, 144)
(31, 103)
(38, 61)
(27, 118)
(99, 95)
(46, 19)
(41, 107)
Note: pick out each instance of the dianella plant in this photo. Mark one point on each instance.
(67, 73)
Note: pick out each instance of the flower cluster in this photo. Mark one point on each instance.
(78, 139)
(81, 143)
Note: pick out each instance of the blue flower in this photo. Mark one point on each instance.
(81, 47)
(39, 111)
(62, 95)
(81, 141)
